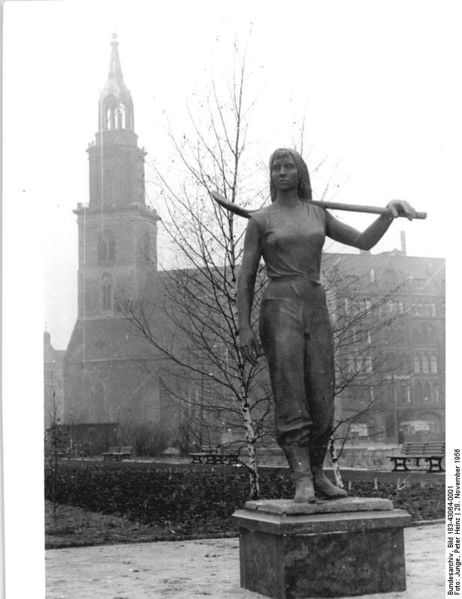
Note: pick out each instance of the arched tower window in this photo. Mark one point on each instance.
(106, 292)
(121, 116)
(109, 119)
(116, 113)
(106, 247)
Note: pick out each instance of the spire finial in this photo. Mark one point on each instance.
(115, 99)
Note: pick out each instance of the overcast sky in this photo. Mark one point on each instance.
(377, 81)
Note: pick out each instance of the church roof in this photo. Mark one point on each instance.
(115, 84)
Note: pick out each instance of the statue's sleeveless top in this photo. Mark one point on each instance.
(291, 241)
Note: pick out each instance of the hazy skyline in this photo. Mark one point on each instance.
(378, 108)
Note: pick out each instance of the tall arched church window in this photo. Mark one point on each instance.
(417, 368)
(106, 292)
(433, 364)
(106, 247)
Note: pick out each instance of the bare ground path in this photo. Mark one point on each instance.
(208, 568)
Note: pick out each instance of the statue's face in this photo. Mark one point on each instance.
(284, 172)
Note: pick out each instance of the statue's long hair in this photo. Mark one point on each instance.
(304, 184)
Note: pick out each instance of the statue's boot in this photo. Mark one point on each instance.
(300, 466)
(326, 488)
(322, 485)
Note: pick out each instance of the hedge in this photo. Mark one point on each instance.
(203, 501)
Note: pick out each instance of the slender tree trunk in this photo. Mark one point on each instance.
(335, 465)
(252, 465)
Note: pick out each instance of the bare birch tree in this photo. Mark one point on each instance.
(196, 306)
(366, 326)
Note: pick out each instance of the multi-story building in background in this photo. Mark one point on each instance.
(387, 309)
(392, 310)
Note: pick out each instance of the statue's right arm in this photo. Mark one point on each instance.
(246, 287)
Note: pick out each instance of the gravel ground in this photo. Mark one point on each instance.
(208, 568)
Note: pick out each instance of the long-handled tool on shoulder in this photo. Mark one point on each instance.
(328, 205)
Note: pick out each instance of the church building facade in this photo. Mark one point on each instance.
(105, 373)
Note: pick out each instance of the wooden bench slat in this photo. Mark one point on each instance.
(432, 452)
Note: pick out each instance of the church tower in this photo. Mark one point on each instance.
(117, 231)
(117, 254)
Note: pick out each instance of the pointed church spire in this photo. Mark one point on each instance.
(115, 103)
(115, 70)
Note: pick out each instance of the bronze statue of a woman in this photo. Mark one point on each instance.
(294, 325)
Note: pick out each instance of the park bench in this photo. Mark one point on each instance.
(432, 452)
(211, 456)
(118, 453)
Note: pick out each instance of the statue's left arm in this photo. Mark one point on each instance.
(366, 240)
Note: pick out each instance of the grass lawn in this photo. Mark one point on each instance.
(74, 526)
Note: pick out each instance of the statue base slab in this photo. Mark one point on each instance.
(343, 547)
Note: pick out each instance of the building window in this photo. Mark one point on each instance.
(425, 365)
(433, 364)
(427, 392)
(366, 304)
(417, 368)
(106, 247)
(106, 289)
(437, 393)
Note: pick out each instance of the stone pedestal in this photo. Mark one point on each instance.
(344, 547)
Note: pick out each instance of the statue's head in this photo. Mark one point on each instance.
(304, 184)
